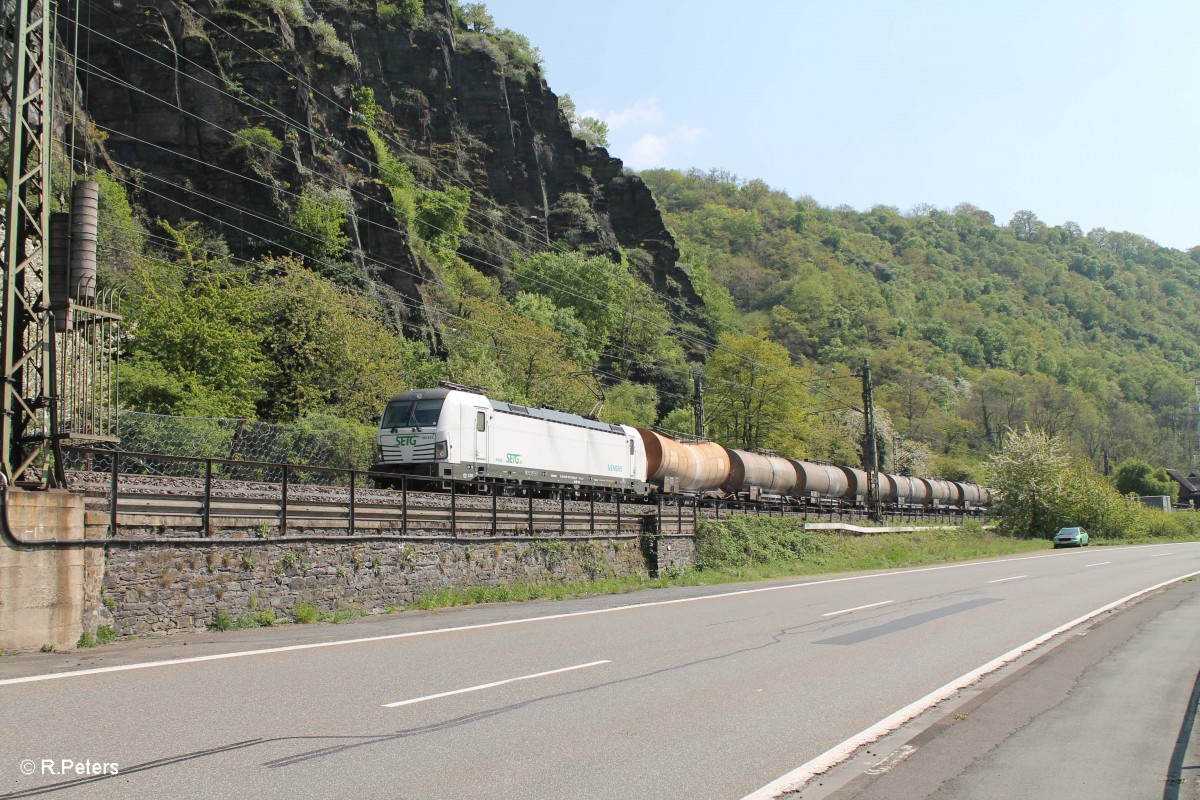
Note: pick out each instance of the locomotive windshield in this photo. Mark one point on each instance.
(410, 413)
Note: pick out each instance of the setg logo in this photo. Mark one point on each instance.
(513, 458)
(406, 441)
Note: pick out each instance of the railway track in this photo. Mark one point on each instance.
(172, 506)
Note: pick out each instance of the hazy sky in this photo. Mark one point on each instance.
(1086, 111)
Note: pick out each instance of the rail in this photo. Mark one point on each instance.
(280, 501)
(213, 493)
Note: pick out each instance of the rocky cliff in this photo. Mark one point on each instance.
(168, 86)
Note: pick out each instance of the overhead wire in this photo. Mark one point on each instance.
(91, 69)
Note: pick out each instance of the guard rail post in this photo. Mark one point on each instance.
(112, 509)
(206, 520)
(283, 502)
(352, 473)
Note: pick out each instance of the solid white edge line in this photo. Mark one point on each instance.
(494, 683)
(52, 676)
(1160, 555)
(795, 780)
(1013, 578)
(1098, 564)
(858, 608)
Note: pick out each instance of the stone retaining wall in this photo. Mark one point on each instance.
(167, 588)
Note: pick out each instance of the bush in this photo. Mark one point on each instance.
(222, 621)
(391, 15)
(105, 634)
(260, 147)
(306, 613)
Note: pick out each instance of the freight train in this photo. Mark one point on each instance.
(456, 434)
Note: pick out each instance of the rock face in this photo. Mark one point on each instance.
(170, 83)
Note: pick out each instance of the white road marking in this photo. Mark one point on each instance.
(1013, 578)
(493, 684)
(857, 608)
(892, 761)
(835, 755)
(1098, 564)
(52, 676)
(1160, 555)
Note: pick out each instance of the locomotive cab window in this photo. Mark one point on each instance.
(412, 413)
(480, 421)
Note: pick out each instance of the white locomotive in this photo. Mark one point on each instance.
(449, 433)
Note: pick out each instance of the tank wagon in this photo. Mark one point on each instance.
(453, 433)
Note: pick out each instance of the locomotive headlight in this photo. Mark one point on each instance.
(440, 450)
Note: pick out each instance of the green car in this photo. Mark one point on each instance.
(1071, 537)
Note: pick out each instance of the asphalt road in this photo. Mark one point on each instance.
(681, 693)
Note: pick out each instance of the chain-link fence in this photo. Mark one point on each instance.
(315, 441)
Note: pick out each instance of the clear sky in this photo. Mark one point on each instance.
(1086, 111)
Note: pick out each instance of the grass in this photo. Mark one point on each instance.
(750, 549)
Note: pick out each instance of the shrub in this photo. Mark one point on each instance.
(391, 15)
(222, 621)
(260, 147)
(105, 634)
(306, 613)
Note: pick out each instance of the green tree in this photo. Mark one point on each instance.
(591, 130)
(476, 17)
(196, 333)
(330, 351)
(320, 218)
(755, 395)
(630, 404)
(1134, 476)
(596, 289)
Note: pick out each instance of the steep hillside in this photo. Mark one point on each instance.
(404, 152)
(972, 326)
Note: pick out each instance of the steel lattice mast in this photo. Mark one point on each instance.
(25, 96)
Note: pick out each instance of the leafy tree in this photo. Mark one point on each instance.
(596, 289)
(755, 395)
(591, 130)
(513, 357)
(476, 17)
(1042, 489)
(320, 217)
(1134, 476)
(441, 217)
(195, 345)
(330, 351)
(1032, 475)
(401, 12)
(680, 421)
(630, 404)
